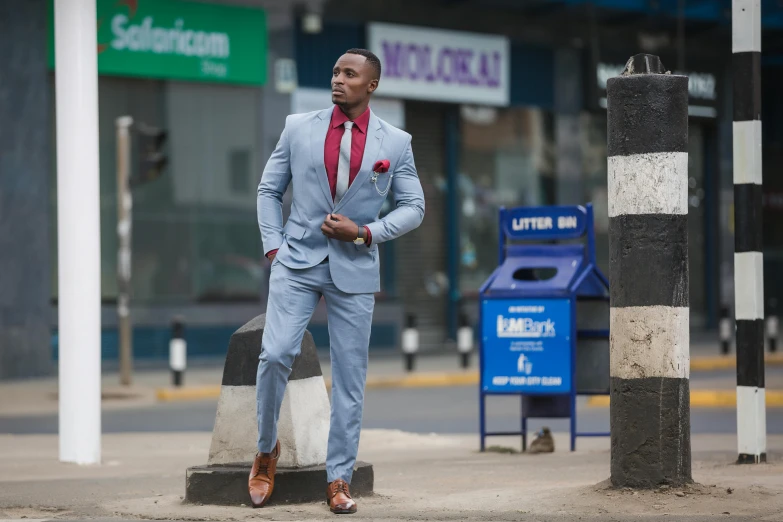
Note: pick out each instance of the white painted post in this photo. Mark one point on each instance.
(78, 231)
(410, 343)
(464, 340)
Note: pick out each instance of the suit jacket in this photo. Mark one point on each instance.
(299, 158)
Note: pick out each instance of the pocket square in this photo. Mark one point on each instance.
(381, 167)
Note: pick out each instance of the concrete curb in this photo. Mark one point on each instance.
(462, 378)
(728, 362)
(706, 399)
(417, 380)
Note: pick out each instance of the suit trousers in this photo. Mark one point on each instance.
(293, 295)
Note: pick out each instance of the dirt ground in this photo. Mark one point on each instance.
(417, 477)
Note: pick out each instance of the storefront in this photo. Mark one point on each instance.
(194, 70)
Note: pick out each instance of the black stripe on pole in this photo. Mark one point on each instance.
(746, 458)
(748, 201)
(750, 367)
(642, 407)
(747, 90)
(654, 115)
(659, 241)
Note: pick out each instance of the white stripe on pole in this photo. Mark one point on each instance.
(649, 183)
(178, 355)
(751, 402)
(465, 339)
(649, 341)
(749, 285)
(747, 152)
(745, 26)
(410, 340)
(78, 231)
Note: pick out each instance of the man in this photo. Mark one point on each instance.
(342, 162)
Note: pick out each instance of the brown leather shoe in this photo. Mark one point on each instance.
(262, 477)
(339, 498)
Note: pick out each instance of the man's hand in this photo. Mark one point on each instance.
(340, 227)
(271, 256)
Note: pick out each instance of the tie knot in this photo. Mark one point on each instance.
(348, 125)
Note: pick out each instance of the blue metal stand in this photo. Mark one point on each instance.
(525, 349)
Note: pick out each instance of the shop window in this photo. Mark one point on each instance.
(195, 232)
(239, 167)
(507, 159)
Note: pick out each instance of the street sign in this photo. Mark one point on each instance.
(545, 223)
(527, 345)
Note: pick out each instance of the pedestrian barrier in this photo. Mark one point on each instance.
(544, 317)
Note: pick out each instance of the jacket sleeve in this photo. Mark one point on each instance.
(408, 199)
(274, 182)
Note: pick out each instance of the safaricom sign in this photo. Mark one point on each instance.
(176, 40)
(146, 37)
(440, 65)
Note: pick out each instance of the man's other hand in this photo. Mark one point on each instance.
(340, 227)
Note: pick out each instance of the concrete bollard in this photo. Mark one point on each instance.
(772, 325)
(178, 351)
(303, 430)
(648, 260)
(725, 330)
(410, 343)
(464, 340)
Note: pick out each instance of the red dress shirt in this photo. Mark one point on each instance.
(332, 145)
(334, 136)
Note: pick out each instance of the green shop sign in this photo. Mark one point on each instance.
(176, 40)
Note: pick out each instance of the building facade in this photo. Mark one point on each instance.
(505, 101)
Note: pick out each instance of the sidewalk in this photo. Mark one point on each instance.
(39, 396)
(417, 477)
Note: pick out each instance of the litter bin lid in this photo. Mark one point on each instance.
(544, 270)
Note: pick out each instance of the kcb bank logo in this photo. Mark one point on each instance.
(525, 327)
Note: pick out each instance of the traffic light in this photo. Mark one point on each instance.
(152, 160)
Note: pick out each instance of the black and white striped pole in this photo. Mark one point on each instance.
(178, 351)
(410, 342)
(748, 261)
(725, 331)
(648, 266)
(464, 340)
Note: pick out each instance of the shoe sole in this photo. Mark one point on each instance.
(343, 511)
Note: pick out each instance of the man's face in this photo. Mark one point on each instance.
(353, 80)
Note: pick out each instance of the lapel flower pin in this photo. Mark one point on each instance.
(380, 167)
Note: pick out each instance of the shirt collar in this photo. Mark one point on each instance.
(361, 123)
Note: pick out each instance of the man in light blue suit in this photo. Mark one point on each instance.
(342, 162)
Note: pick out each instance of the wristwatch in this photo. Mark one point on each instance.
(359, 239)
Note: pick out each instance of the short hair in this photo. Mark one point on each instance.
(371, 59)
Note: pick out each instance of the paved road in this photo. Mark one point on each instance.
(420, 410)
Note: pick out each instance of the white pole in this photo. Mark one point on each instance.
(78, 231)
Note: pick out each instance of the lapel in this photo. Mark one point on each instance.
(317, 141)
(372, 147)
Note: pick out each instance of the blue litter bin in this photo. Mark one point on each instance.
(534, 342)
